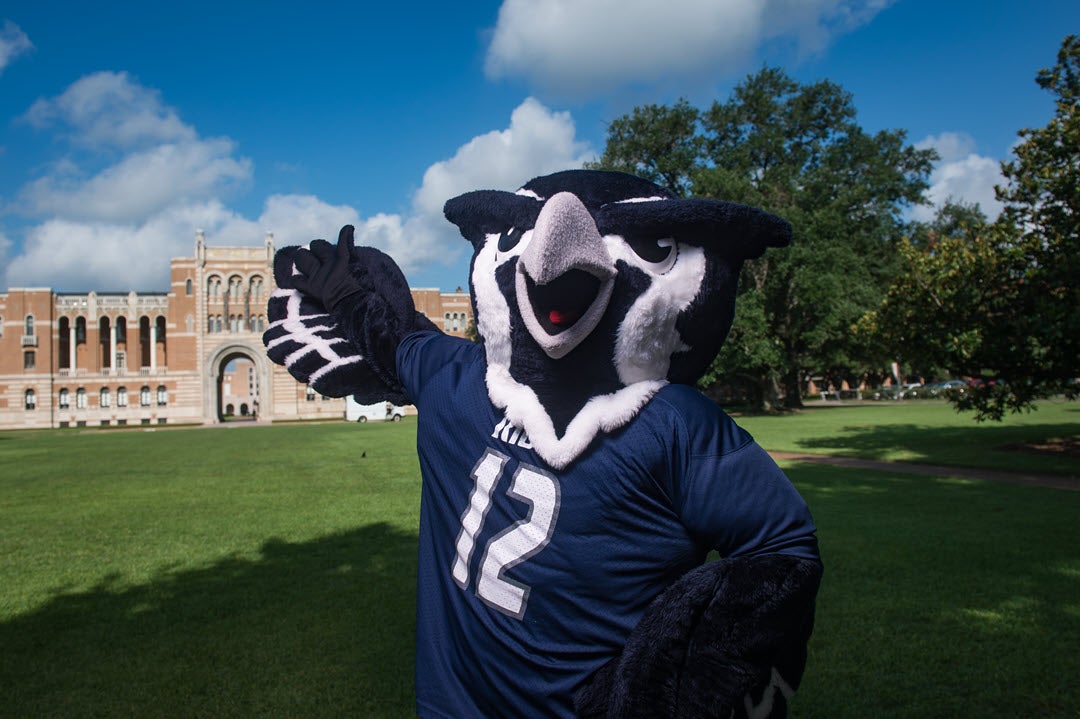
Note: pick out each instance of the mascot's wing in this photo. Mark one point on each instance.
(727, 640)
(351, 350)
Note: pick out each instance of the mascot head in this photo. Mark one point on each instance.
(591, 290)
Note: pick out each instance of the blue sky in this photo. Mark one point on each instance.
(126, 126)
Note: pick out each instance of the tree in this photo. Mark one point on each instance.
(999, 301)
(797, 151)
(656, 142)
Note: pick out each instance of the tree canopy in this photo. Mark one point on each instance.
(1000, 301)
(795, 150)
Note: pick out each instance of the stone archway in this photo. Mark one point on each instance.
(250, 390)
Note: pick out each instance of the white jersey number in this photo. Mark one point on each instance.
(515, 544)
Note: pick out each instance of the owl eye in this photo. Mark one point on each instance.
(658, 253)
(510, 239)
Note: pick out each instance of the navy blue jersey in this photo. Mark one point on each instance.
(530, 579)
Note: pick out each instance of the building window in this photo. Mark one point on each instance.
(29, 330)
(65, 398)
(104, 398)
(162, 396)
(187, 287)
(210, 324)
(80, 398)
(121, 397)
(80, 330)
(310, 394)
(144, 396)
(217, 324)
(28, 359)
(30, 399)
(189, 323)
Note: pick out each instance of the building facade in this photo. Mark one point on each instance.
(191, 355)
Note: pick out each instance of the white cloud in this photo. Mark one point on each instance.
(110, 109)
(141, 183)
(576, 48)
(144, 209)
(13, 42)
(961, 175)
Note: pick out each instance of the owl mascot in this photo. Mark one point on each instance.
(573, 479)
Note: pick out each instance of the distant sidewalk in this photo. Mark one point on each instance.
(1035, 480)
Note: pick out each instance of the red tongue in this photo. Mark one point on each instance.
(559, 319)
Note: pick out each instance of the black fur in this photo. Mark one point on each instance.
(711, 639)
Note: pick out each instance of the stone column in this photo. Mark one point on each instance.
(112, 347)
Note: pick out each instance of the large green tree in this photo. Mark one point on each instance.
(1002, 301)
(795, 150)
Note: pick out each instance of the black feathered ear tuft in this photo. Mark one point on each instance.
(726, 229)
(484, 212)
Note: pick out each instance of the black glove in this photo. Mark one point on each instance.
(325, 270)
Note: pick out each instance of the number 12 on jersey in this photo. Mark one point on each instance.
(513, 545)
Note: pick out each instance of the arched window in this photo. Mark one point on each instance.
(80, 398)
(457, 322)
(217, 324)
(121, 397)
(162, 395)
(63, 327)
(104, 337)
(234, 326)
(310, 394)
(187, 287)
(80, 330)
(65, 398)
(104, 398)
(121, 329)
(29, 328)
(30, 399)
(144, 396)
(210, 324)
(262, 323)
(159, 328)
(256, 287)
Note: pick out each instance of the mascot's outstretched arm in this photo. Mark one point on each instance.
(338, 316)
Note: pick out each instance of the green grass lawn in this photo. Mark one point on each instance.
(922, 431)
(270, 571)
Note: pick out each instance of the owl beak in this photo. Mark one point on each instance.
(564, 277)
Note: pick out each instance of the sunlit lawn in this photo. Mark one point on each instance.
(922, 431)
(270, 572)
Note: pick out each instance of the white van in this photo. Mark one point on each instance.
(378, 412)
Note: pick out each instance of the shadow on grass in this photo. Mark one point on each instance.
(315, 629)
(941, 598)
(948, 445)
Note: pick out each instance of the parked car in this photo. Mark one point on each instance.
(949, 386)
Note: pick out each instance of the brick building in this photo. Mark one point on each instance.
(193, 354)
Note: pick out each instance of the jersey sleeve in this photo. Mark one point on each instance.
(732, 497)
(422, 355)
